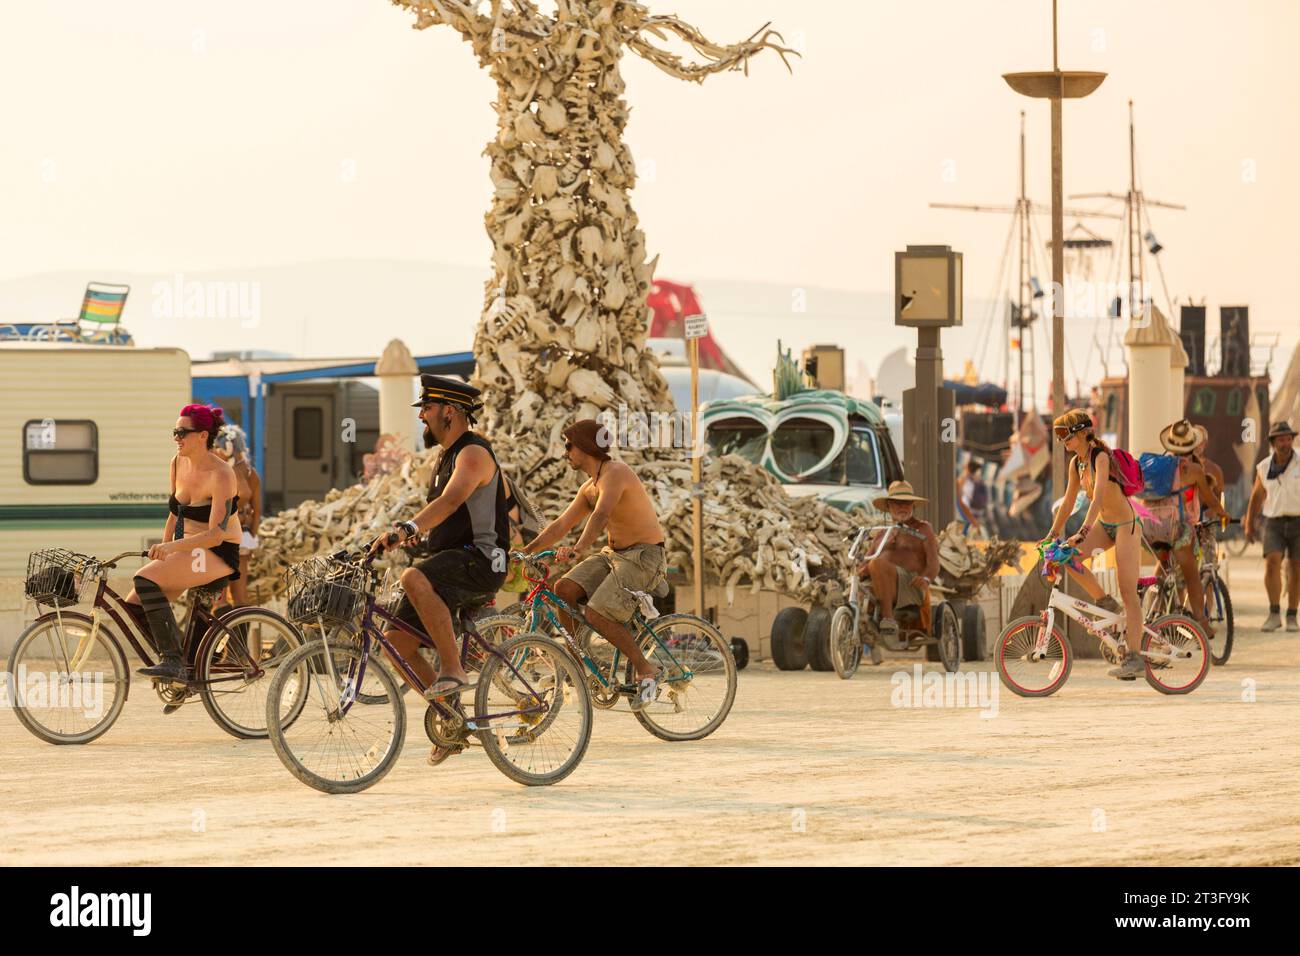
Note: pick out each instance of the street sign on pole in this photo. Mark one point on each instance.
(696, 327)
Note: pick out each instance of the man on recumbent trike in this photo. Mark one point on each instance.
(901, 573)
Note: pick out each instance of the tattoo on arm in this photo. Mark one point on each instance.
(230, 510)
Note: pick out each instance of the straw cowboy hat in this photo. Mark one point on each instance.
(1279, 429)
(898, 491)
(1202, 434)
(1180, 438)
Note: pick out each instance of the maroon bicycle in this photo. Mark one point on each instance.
(69, 676)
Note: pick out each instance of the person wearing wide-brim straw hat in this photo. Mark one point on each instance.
(902, 572)
(900, 491)
(1180, 437)
(1277, 494)
(1180, 513)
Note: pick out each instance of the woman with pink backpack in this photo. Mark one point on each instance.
(1107, 478)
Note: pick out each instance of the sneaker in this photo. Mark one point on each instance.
(1273, 622)
(1291, 624)
(1131, 669)
(647, 692)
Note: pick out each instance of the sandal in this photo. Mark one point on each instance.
(454, 686)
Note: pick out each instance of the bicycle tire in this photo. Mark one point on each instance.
(499, 750)
(1059, 654)
(279, 743)
(1214, 589)
(205, 662)
(652, 647)
(1189, 629)
(845, 648)
(122, 678)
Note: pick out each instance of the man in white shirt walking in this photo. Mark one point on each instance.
(1277, 494)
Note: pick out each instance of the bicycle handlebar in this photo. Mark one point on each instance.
(112, 562)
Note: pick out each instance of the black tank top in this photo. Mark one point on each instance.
(483, 521)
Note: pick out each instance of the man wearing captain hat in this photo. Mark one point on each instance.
(902, 573)
(468, 528)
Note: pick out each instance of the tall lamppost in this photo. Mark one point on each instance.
(1056, 85)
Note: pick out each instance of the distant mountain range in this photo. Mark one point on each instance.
(354, 307)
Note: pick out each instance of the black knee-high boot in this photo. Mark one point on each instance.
(162, 625)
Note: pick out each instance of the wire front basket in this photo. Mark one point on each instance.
(58, 578)
(326, 590)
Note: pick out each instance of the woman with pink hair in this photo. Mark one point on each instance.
(201, 539)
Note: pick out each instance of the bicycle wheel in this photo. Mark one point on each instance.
(1179, 667)
(1019, 672)
(1218, 610)
(533, 715)
(337, 744)
(234, 666)
(350, 632)
(846, 652)
(698, 685)
(64, 686)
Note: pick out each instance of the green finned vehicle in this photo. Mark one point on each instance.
(815, 441)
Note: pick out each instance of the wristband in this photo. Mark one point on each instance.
(410, 527)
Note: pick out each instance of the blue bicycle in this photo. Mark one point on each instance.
(698, 682)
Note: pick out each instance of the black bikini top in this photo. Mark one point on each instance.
(195, 512)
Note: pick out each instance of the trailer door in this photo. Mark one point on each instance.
(308, 452)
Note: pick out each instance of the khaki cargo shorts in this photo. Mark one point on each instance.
(910, 594)
(608, 576)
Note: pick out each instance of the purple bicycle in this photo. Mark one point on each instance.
(531, 712)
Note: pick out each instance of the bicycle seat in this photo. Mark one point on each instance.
(1147, 581)
(207, 593)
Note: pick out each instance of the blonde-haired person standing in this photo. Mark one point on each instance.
(232, 446)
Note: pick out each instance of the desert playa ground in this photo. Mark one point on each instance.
(808, 769)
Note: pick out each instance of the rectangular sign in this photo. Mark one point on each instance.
(40, 435)
(697, 326)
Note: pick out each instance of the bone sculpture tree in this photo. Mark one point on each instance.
(564, 320)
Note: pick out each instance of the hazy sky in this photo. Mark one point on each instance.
(165, 135)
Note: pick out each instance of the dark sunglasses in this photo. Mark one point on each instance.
(182, 432)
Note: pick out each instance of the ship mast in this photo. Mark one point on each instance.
(1020, 325)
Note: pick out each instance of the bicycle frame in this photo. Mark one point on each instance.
(371, 631)
(855, 583)
(541, 598)
(1095, 620)
(109, 604)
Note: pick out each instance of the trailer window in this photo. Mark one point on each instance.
(60, 452)
(308, 432)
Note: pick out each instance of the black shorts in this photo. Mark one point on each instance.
(1283, 534)
(460, 576)
(228, 551)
